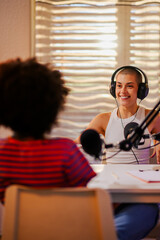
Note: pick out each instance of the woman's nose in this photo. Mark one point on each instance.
(123, 89)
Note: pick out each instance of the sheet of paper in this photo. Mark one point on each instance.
(149, 176)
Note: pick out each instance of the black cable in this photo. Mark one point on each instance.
(149, 146)
(112, 155)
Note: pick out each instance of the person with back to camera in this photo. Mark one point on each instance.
(31, 96)
(133, 221)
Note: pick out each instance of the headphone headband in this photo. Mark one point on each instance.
(142, 89)
(132, 67)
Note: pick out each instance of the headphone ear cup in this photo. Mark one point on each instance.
(113, 89)
(142, 91)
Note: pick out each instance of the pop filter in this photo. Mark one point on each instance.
(91, 142)
(129, 130)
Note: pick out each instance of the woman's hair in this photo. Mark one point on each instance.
(31, 96)
(132, 71)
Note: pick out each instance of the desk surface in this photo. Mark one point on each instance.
(122, 186)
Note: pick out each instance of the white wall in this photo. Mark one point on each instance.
(15, 33)
(14, 29)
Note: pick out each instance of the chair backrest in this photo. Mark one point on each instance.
(57, 214)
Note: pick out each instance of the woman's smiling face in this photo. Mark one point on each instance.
(126, 89)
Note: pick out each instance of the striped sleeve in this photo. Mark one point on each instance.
(78, 170)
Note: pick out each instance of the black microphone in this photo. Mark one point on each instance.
(91, 142)
(137, 134)
(129, 130)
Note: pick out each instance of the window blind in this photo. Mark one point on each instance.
(87, 41)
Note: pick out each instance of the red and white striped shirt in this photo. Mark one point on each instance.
(42, 163)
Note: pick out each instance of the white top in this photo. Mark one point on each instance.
(115, 133)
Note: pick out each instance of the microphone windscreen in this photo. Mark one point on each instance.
(129, 128)
(91, 142)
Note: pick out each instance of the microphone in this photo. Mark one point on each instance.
(130, 128)
(91, 142)
(137, 134)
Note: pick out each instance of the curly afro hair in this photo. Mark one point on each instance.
(31, 96)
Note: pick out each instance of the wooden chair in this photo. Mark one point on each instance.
(59, 214)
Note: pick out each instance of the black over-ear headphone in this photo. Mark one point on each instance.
(142, 89)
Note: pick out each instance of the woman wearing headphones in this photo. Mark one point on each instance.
(126, 89)
(133, 221)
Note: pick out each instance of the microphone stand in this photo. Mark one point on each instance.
(127, 144)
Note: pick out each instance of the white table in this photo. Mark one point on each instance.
(125, 188)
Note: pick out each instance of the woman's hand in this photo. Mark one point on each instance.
(156, 151)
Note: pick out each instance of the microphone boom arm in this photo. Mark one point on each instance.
(127, 144)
